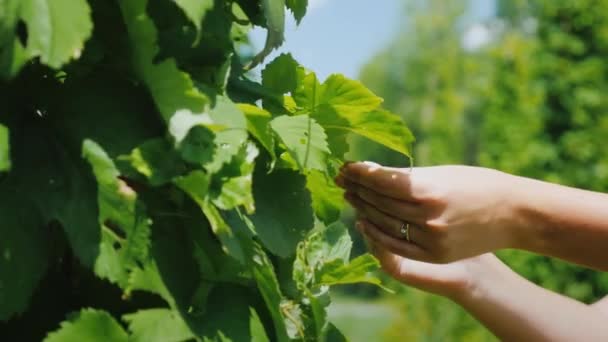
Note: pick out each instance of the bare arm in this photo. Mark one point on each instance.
(564, 222)
(515, 309)
(510, 306)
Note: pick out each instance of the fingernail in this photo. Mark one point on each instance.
(370, 163)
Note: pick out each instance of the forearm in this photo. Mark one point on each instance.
(563, 222)
(515, 309)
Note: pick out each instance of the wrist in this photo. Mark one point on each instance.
(515, 220)
(485, 275)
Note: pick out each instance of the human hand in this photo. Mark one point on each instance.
(456, 280)
(454, 212)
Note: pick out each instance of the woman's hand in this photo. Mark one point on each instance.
(455, 280)
(454, 212)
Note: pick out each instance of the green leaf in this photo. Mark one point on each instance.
(222, 230)
(347, 95)
(342, 105)
(258, 124)
(304, 139)
(172, 89)
(198, 146)
(280, 230)
(298, 7)
(56, 29)
(89, 325)
(66, 192)
(324, 244)
(228, 141)
(267, 282)
(12, 54)
(357, 271)
(12, 58)
(282, 74)
(119, 211)
(327, 197)
(195, 10)
(231, 186)
(274, 12)
(156, 159)
(148, 278)
(5, 149)
(332, 334)
(9, 15)
(24, 252)
(309, 91)
(182, 122)
(379, 125)
(157, 325)
(100, 106)
(196, 185)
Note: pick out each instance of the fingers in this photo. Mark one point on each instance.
(397, 246)
(390, 182)
(403, 210)
(388, 223)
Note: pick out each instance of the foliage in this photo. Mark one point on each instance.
(154, 191)
(529, 102)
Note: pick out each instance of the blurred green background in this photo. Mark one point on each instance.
(523, 89)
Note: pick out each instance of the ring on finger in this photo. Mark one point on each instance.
(405, 231)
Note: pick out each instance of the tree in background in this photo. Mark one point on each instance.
(529, 101)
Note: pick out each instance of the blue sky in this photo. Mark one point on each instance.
(342, 35)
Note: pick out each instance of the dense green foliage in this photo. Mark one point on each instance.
(152, 190)
(531, 101)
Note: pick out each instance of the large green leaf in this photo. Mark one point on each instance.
(24, 252)
(56, 29)
(60, 184)
(5, 158)
(89, 325)
(342, 105)
(280, 229)
(119, 212)
(347, 95)
(157, 325)
(304, 139)
(172, 89)
(380, 126)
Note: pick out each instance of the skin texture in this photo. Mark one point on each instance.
(513, 308)
(458, 212)
(457, 215)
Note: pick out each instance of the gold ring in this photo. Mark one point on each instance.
(405, 231)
